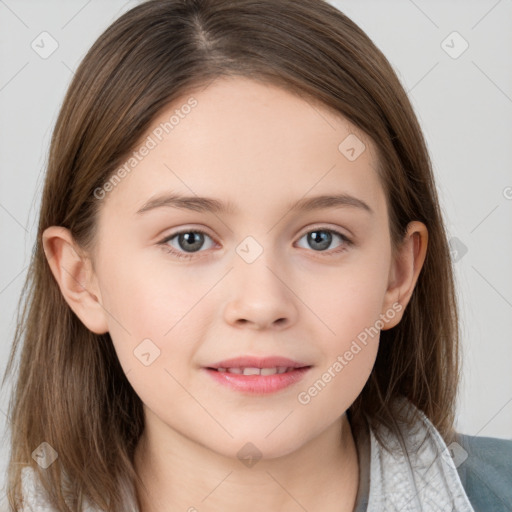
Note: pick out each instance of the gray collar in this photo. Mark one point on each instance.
(419, 474)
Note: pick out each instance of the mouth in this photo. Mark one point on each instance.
(257, 371)
(252, 375)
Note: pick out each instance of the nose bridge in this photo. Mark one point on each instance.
(261, 295)
(256, 268)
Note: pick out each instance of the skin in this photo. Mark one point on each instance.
(261, 148)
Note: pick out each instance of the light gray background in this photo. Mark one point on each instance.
(464, 105)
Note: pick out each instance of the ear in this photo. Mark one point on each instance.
(75, 277)
(405, 269)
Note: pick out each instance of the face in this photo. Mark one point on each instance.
(250, 275)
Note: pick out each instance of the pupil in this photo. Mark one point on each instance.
(320, 237)
(189, 239)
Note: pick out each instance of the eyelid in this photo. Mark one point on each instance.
(187, 230)
(326, 227)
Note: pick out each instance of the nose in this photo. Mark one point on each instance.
(261, 296)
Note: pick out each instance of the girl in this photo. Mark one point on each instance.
(186, 344)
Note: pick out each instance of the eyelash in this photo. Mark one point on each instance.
(188, 256)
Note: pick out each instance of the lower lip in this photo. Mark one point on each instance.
(258, 384)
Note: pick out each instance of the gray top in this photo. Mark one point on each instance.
(486, 473)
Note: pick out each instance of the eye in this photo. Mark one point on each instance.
(321, 239)
(190, 241)
(186, 243)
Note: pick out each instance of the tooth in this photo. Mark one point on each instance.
(221, 369)
(251, 371)
(268, 371)
(281, 369)
(234, 370)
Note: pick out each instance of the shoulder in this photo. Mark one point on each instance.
(34, 494)
(35, 497)
(484, 465)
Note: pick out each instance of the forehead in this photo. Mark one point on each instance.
(249, 143)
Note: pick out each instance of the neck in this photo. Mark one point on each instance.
(179, 474)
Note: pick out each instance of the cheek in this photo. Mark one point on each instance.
(350, 298)
(351, 308)
(146, 302)
(348, 351)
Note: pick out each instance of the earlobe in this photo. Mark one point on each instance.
(405, 270)
(75, 278)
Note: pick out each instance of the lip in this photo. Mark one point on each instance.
(258, 384)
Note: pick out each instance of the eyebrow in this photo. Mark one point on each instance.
(210, 205)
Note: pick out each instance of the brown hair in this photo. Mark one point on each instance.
(71, 390)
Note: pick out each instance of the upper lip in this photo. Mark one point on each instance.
(258, 362)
